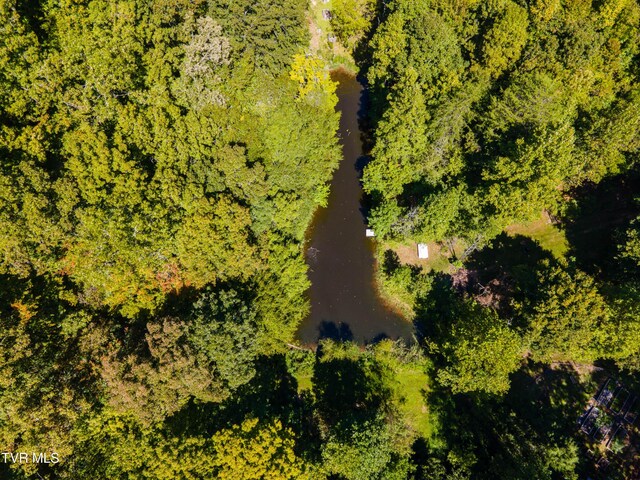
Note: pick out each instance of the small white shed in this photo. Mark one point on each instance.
(369, 232)
(423, 250)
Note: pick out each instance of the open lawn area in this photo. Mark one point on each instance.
(413, 382)
(438, 260)
(549, 236)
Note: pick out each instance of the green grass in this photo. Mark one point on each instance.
(549, 237)
(300, 364)
(413, 384)
(410, 372)
(438, 260)
(334, 54)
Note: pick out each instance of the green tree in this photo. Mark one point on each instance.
(504, 40)
(352, 20)
(630, 249)
(45, 391)
(397, 159)
(514, 116)
(268, 32)
(365, 451)
(481, 351)
(570, 319)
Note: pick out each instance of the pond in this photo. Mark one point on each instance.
(344, 301)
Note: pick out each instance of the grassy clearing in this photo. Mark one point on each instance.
(549, 237)
(320, 29)
(438, 260)
(413, 383)
(395, 296)
(411, 379)
(300, 364)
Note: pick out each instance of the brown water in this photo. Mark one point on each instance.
(344, 302)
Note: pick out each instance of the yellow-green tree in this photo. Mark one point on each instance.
(481, 351)
(352, 20)
(571, 319)
(256, 450)
(314, 82)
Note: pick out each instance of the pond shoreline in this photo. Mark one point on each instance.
(345, 297)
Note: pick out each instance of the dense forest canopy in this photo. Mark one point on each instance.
(161, 161)
(489, 118)
(490, 112)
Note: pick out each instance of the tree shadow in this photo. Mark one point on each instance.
(435, 310)
(597, 217)
(33, 12)
(345, 392)
(390, 262)
(511, 436)
(338, 331)
(271, 393)
(378, 338)
(549, 399)
(368, 202)
(507, 270)
(415, 193)
(517, 257)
